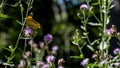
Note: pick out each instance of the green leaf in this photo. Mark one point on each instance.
(103, 45)
(7, 49)
(77, 57)
(19, 22)
(83, 28)
(12, 57)
(112, 6)
(3, 16)
(83, 37)
(85, 33)
(91, 48)
(94, 24)
(95, 41)
(8, 64)
(75, 43)
(6, 57)
(97, 3)
(16, 4)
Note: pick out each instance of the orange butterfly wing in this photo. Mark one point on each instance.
(30, 22)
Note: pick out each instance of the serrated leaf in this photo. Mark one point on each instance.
(94, 24)
(91, 48)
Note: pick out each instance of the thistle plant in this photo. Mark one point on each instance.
(100, 47)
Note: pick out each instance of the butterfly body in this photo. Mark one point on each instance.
(30, 22)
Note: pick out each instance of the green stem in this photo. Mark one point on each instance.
(101, 15)
(85, 25)
(19, 37)
(2, 5)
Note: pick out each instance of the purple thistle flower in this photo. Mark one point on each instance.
(54, 49)
(116, 51)
(41, 63)
(27, 54)
(28, 32)
(41, 44)
(21, 64)
(84, 62)
(94, 56)
(101, 63)
(45, 66)
(48, 38)
(111, 30)
(50, 58)
(84, 7)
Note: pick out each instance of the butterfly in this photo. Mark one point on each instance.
(31, 23)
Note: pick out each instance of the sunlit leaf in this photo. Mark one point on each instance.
(8, 64)
(94, 24)
(103, 45)
(85, 33)
(3, 16)
(82, 27)
(112, 6)
(91, 48)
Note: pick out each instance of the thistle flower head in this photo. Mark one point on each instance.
(84, 7)
(84, 62)
(116, 51)
(48, 38)
(50, 58)
(28, 32)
